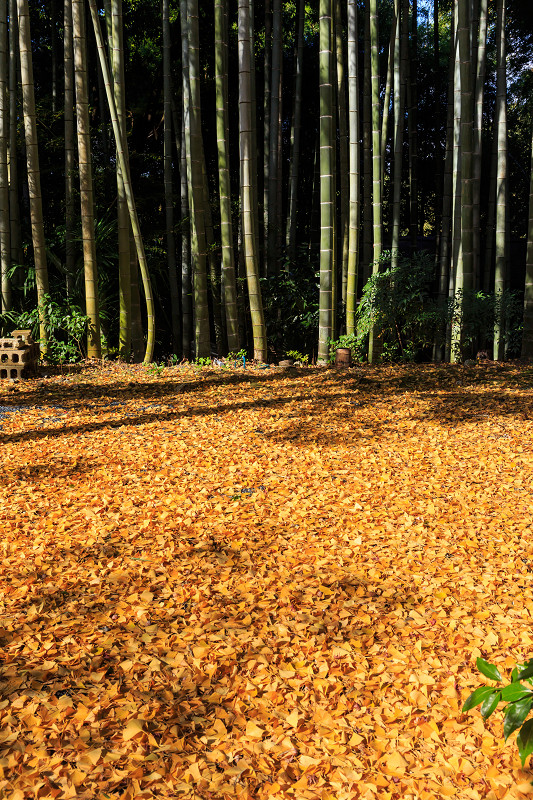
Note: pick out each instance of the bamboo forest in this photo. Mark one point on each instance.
(187, 181)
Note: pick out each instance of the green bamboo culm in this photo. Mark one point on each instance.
(527, 335)
(5, 233)
(373, 344)
(501, 262)
(32, 165)
(226, 227)
(86, 179)
(248, 178)
(124, 167)
(196, 190)
(354, 158)
(399, 104)
(123, 220)
(325, 321)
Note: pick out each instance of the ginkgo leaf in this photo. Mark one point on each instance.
(133, 727)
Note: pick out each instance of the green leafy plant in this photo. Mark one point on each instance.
(156, 369)
(355, 342)
(399, 302)
(66, 328)
(297, 356)
(236, 355)
(518, 698)
(476, 312)
(202, 362)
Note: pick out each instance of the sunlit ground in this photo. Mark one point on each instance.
(260, 584)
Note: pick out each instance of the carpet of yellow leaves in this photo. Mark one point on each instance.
(246, 584)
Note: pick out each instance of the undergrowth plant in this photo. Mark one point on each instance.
(518, 699)
(66, 328)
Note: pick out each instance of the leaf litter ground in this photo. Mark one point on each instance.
(262, 585)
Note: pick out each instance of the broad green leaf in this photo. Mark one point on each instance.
(489, 670)
(514, 692)
(527, 672)
(489, 705)
(477, 697)
(514, 675)
(525, 740)
(515, 715)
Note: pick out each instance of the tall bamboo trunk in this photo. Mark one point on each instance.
(387, 99)
(14, 210)
(70, 148)
(5, 232)
(267, 99)
(465, 262)
(196, 190)
(274, 148)
(444, 254)
(32, 166)
(501, 263)
(167, 180)
(327, 166)
(354, 236)
(294, 168)
(86, 179)
(123, 221)
(248, 182)
(527, 335)
(478, 138)
(226, 226)
(344, 188)
(122, 155)
(399, 112)
(367, 152)
(185, 226)
(413, 129)
(374, 341)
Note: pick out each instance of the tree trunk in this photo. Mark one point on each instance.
(367, 152)
(17, 256)
(413, 129)
(137, 338)
(248, 180)
(70, 149)
(86, 180)
(465, 262)
(344, 189)
(527, 335)
(327, 166)
(5, 233)
(32, 162)
(167, 179)
(355, 183)
(446, 216)
(399, 112)
(501, 265)
(478, 137)
(373, 343)
(122, 154)
(196, 190)
(274, 149)
(186, 289)
(267, 99)
(226, 226)
(388, 92)
(123, 220)
(295, 136)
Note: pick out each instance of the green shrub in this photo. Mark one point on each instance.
(66, 328)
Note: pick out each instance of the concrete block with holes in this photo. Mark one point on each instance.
(19, 355)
